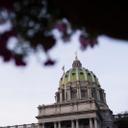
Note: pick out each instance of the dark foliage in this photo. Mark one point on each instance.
(32, 22)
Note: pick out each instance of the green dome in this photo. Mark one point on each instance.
(78, 73)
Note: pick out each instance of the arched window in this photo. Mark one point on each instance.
(73, 93)
(83, 93)
(58, 97)
(94, 93)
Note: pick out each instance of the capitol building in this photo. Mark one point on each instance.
(80, 102)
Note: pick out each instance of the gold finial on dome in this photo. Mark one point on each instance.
(76, 58)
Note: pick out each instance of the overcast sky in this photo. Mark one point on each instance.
(23, 89)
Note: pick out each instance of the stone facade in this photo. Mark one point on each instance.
(80, 102)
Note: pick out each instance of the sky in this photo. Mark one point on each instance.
(23, 89)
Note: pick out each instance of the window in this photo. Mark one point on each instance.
(81, 73)
(94, 93)
(58, 97)
(66, 76)
(101, 95)
(73, 93)
(83, 93)
(63, 98)
(73, 74)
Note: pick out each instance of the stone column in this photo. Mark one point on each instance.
(59, 124)
(43, 126)
(90, 123)
(77, 124)
(55, 125)
(65, 95)
(98, 124)
(98, 94)
(32, 125)
(104, 95)
(78, 93)
(72, 124)
(89, 92)
(60, 93)
(57, 99)
(69, 93)
(95, 123)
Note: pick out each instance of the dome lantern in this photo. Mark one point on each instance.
(76, 63)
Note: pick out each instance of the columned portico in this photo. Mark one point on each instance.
(77, 123)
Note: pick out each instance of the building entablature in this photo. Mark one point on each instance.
(71, 107)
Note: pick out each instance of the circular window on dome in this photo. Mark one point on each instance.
(73, 73)
(81, 73)
(66, 75)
